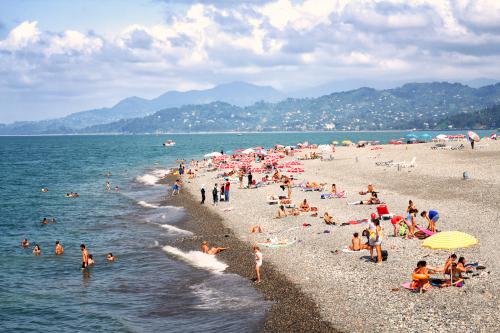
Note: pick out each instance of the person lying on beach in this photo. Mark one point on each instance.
(37, 250)
(304, 206)
(328, 219)
(25, 243)
(110, 257)
(213, 250)
(276, 176)
(432, 217)
(59, 249)
(370, 189)
(294, 212)
(374, 200)
(355, 243)
(257, 229)
(281, 212)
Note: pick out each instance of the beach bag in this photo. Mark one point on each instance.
(403, 229)
(385, 255)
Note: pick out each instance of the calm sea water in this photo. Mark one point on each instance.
(148, 288)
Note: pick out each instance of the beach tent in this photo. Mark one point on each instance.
(325, 148)
(449, 240)
(214, 154)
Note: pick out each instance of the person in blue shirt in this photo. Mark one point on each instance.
(432, 217)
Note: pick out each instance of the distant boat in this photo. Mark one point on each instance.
(168, 143)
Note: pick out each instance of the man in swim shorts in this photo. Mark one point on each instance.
(85, 256)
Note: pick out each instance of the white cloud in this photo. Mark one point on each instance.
(73, 42)
(21, 36)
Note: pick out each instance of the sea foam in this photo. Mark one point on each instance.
(147, 179)
(146, 204)
(171, 228)
(197, 259)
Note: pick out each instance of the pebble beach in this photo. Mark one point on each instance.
(350, 293)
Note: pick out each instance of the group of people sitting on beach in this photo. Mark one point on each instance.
(421, 276)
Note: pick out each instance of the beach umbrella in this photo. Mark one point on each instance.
(425, 137)
(473, 136)
(449, 240)
(493, 136)
(335, 143)
(346, 142)
(248, 151)
(214, 154)
(442, 137)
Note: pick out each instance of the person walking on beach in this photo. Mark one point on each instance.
(240, 177)
(226, 190)
(85, 256)
(202, 194)
(258, 263)
(59, 249)
(215, 195)
(250, 179)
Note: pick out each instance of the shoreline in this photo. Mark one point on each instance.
(291, 310)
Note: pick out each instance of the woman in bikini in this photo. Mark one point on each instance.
(304, 207)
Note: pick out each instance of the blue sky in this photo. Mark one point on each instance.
(59, 57)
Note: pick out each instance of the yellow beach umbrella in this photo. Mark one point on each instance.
(346, 142)
(449, 240)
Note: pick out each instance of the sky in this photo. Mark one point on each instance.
(59, 57)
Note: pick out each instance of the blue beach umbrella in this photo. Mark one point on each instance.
(425, 137)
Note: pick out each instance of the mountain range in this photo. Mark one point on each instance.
(241, 106)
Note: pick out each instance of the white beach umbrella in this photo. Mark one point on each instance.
(442, 137)
(248, 151)
(213, 154)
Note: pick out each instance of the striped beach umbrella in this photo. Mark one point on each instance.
(449, 240)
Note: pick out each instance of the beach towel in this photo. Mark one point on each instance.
(339, 195)
(427, 232)
(354, 222)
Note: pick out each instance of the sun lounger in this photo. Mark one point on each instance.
(383, 212)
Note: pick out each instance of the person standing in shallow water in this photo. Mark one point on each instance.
(258, 263)
(202, 194)
(85, 256)
(215, 195)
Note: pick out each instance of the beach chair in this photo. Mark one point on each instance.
(383, 212)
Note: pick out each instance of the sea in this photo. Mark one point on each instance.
(151, 287)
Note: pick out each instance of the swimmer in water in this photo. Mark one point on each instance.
(45, 221)
(25, 243)
(53, 220)
(59, 249)
(108, 185)
(37, 250)
(110, 257)
(45, 190)
(117, 189)
(85, 256)
(91, 259)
